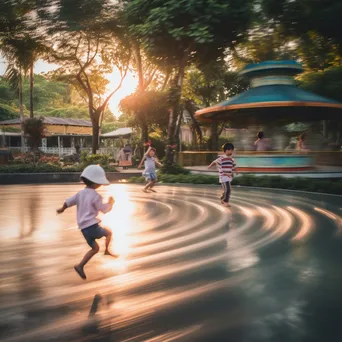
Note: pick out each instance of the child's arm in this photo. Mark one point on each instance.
(158, 162)
(140, 164)
(62, 209)
(235, 169)
(70, 202)
(104, 207)
(212, 164)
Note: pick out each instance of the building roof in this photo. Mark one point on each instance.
(120, 132)
(11, 134)
(53, 121)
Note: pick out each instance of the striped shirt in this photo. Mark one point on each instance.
(226, 165)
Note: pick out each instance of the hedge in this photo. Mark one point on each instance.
(45, 168)
(331, 186)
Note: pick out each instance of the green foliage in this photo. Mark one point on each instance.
(90, 159)
(169, 28)
(110, 126)
(148, 107)
(48, 93)
(7, 112)
(326, 83)
(212, 83)
(174, 169)
(299, 17)
(30, 168)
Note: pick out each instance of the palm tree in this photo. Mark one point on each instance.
(14, 53)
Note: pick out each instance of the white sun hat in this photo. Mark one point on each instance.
(95, 174)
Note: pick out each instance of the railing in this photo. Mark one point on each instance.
(63, 151)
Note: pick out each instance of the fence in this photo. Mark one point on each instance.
(63, 151)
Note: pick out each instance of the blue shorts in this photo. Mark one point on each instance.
(94, 232)
(151, 176)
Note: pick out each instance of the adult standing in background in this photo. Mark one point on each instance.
(261, 144)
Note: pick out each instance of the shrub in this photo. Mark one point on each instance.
(90, 159)
(174, 169)
(26, 158)
(49, 160)
(30, 168)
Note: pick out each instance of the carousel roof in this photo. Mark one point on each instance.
(272, 86)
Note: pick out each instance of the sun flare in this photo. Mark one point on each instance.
(128, 87)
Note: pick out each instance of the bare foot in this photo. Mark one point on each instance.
(226, 204)
(80, 272)
(107, 252)
(145, 191)
(153, 190)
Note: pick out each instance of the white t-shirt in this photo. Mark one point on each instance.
(89, 203)
(150, 165)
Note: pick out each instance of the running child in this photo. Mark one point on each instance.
(89, 203)
(226, 167)
(149, 173)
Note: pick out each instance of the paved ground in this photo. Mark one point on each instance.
(269, 269)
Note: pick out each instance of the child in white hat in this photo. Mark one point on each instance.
(89, 203)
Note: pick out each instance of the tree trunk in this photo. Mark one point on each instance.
(144, 132)
(174, 110)
(20, 91)
(31, 91)
(96, 135)
(95, 116)
(214, 136)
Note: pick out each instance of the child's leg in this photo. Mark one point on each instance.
(108, 240)
(94, 250)
(153, 183)
(227, 190)
(79, 268)
(147, 186)
(223, 192)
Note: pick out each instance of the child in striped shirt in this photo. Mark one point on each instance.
(226, 167)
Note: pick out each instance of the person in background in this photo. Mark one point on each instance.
(150, 168)
(301, 145)
(122, 158)
(261, 143)
(128, 153)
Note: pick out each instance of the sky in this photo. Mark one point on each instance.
(128, 86)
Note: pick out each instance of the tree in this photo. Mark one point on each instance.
(16, 38)
(147, 109)
(298, 17)
(34, 130)
(177, 30)
(87, 50)
(210, 85)
(326, 83)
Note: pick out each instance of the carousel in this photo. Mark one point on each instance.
(273, 100)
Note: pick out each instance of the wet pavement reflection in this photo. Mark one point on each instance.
(269, 269)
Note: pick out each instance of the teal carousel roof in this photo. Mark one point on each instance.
(273, 91)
